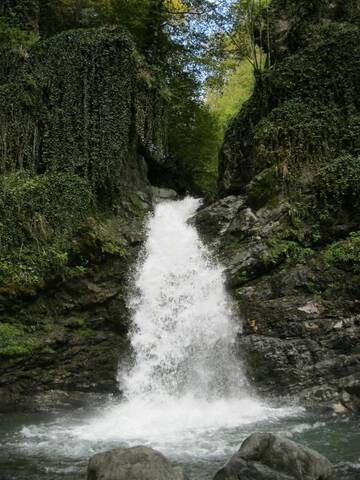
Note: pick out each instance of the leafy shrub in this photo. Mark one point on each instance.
(13, 38)
(40, 208)
(14, 46)
(339, 182)
(13, 341)
(285, 250)
(345, 253)
(39, 216)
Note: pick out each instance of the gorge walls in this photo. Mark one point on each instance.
(287, 224)
(81, 118)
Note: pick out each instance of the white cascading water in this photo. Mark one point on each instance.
(185, 393)
(185, 382)
(183, 327)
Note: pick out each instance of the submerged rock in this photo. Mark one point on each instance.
(264, 456)
(136, 463)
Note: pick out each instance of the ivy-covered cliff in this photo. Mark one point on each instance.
(289, 219)
(82, 123)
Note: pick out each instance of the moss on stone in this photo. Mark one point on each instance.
(74, 145)
(66, 120)
(14, 342)
(39, 216)
(284, 250)
(265, 188)
(345, 253)
(298, 135)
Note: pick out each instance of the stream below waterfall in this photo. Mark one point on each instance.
(184, 392)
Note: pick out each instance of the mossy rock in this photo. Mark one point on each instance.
(265, 188)
(298, 135)
(67, 120)
(79, 127)
(14, 342)
(345, 254)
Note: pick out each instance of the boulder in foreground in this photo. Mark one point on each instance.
(136, 463)
(264, 456)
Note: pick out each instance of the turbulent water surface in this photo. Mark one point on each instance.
(184, 392)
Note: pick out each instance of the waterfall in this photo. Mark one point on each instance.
(184, 393)
(185, 385)
(184, 328)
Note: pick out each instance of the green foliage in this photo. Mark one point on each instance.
(264, 189)
(102, 236)
(294, 133)
(148, 21)
(304, 15)
(238, 87)
(301, 8)
(24, 12)
(39, 215)
(71, 153)
(345, 253)
(194, 138)
(311, 68)
(25, 269)
(14, 46)
(339, 183)
(281, 250)
(103, 136)
(39, 208)
(251, 18)
(143, 18)
(14, 39)
(14, 342)
(303, 123)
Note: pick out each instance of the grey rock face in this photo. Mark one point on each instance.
(264, 456)
(347, 471)
(300, 317)
(137, 463)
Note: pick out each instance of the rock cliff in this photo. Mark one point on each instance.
(287, 224)
(80, 129)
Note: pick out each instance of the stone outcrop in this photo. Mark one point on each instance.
(298, 117)
(287, 223)
(137, 463)
(300, 326)
(264, 456)
(80, 129)
(76, 331)
(96, 116)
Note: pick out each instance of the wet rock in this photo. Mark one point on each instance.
(264, 456)
(242, 233)
(215, 219)
(347, 471)
(160, 194)
(298, 309)
(78, 336)
(299, 317)
(136, 463)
